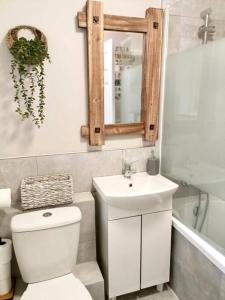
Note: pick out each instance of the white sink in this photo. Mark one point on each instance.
(137, 193)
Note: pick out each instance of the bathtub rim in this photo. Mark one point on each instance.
(217, 258)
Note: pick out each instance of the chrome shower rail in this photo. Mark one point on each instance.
(207, 31)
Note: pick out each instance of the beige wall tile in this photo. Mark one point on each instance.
(83, 166)
(87, 226)
(220, 29)
(187, 8)
(193, 275)
(6, 215)
(222, 287)
(12, 171)
(139, 154)
(174, 34)
(97, 291)
(183, 33)
(86, 251)
(218, 9)
(90, 275)
(95, 164)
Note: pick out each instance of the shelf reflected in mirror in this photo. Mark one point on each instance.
(123, 58)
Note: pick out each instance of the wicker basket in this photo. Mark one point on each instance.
(40, 191)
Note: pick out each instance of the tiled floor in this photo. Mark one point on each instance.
(147, 294)
(150, 294)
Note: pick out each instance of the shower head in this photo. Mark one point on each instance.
(206, 13)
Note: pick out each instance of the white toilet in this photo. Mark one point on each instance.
(46, 244)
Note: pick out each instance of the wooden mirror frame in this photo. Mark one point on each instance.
(152, 27)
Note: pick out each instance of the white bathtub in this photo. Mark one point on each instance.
(212, 239)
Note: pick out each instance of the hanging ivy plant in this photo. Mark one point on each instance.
(27, 71)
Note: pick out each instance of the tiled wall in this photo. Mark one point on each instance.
(185, 21)
(82, 166)
(193, 276)
(87, 242)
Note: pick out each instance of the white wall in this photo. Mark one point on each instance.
(66, 80)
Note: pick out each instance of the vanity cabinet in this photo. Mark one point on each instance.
(155, 255)
(133, 247)
(124, 248)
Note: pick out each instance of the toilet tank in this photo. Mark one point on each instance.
(46, 242)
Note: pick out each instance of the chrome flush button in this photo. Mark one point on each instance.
(47, 214)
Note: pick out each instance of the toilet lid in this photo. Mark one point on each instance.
(66, 287)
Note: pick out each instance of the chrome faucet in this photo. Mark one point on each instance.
(128, 171)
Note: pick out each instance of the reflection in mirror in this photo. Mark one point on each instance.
(123, 55)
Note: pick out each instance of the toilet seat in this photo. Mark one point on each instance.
(65, 287)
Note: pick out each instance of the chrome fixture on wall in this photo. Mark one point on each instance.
(207, 31)
(197, 210)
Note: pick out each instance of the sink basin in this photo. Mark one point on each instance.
(137, 193)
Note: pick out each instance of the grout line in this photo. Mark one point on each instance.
(74, 153)
(37, 165)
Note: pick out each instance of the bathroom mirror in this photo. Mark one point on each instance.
(123, 57)
(124, 71)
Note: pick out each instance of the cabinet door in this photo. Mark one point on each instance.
(124, 243)
(156, 243)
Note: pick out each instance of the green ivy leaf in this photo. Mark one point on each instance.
(27, 65)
